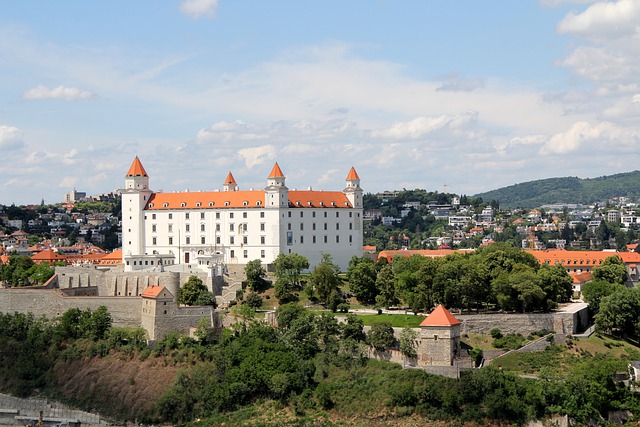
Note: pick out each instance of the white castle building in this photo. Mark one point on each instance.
(209, 229)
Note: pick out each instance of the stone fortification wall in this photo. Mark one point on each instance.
(125, 311)
(563, 323)
(182, 319)
(116, 282)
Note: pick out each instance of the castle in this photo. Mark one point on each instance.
(212, 229)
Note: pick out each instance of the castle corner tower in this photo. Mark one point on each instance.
(135, 196)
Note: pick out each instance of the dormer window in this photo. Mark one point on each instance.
(258, 203)
(245, 203)
(150, 205)
(310, 203)
(198, 204)
(183, 204)
(333, 203)
(211, 204)
(321, 203)
(165, 205)
(226, 203)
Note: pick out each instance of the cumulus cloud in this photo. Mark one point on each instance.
(199, 8)
(461, 85)
(604, 19)
(254, 156)
(585, 136)
(422, 126)
(10, 138)
(60, 92)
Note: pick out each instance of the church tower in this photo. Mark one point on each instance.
(135, 196)
(230, 183)
(276, 193)
(353, 190)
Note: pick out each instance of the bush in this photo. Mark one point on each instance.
(495, 333)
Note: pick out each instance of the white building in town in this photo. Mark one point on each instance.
(209, 229)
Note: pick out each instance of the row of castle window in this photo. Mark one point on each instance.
(187, 215)
(244, 227)
(245, 240)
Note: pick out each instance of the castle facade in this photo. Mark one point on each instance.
(210, 229)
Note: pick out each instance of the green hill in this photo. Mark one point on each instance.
(566, 190)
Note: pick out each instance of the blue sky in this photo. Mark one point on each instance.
(414, 94)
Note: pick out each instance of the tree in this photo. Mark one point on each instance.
(385, 282)
(381, 337)
(594, 291)
(352, 328)
(620, 313)
(556, 284)
(189, 293)
(288, 269)
(361, 275)
(325, 279)
(611, 270)
(408, 342)
(256, 274)
(253, 300)
(287, 313)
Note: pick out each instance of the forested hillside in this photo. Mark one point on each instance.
(568, 190)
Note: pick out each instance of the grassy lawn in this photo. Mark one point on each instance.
(482, 341)
(396, 320)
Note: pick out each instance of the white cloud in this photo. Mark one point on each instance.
(60, 92)
(10, 138)
(254, 156)
(421, 126)
(585, 137)
(199, 8)
(604, 20)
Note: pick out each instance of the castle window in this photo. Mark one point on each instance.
(350, 214)
(201, 215)
(301, 240)
(262, 240)
(202, 240)
(350, 226)
(231, 215)
(313, 214)
(313, 226)
(325, 226)
(231, 227)
(289, 214)
(218, 227)
(350, 238)
(217, 215)
(232, 253)
(171, 240)
(153, 228)
(325, 214)
(186, 215)
(262, 226)
(337, 239)
(217, 240)
(170, 228)
(231, 241)
(153, 241)
(261, 214)
(289, 226)
(337, 226)
(244, 214)
(245, 253)
(325, 239)
(337, 214)
(301, 226)
(187, 228)
(188, 240)
(201, 227)
(244, 240)
(313, 239)
(170, 216)
(262, 254)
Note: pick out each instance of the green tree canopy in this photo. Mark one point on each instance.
(325, 279)
(190, 292)
(611, 270)
(256, 274)
(361, 275)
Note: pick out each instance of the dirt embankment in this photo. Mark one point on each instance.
(115, 386)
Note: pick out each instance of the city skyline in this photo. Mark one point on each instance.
(471, 95)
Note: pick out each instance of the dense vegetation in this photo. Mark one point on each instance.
(22, 271)
(497, 276)
(310, 364)
(566, 190)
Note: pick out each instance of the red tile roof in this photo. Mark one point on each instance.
(276, 172)
(245, 198)
(230, 179)
(152, 291)
(440, 316)
(390, 254)
(573, 258)
(352, 174)
(136, 168)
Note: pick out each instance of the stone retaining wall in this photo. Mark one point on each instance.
(31, 408)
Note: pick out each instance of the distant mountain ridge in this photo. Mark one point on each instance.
(566, 190)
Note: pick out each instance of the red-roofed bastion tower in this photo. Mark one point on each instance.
(439, 338)
(135, 196)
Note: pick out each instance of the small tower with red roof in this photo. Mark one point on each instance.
(135, 196)
(353, 190)
(439, 338)
(230, 183)
(276, 193)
